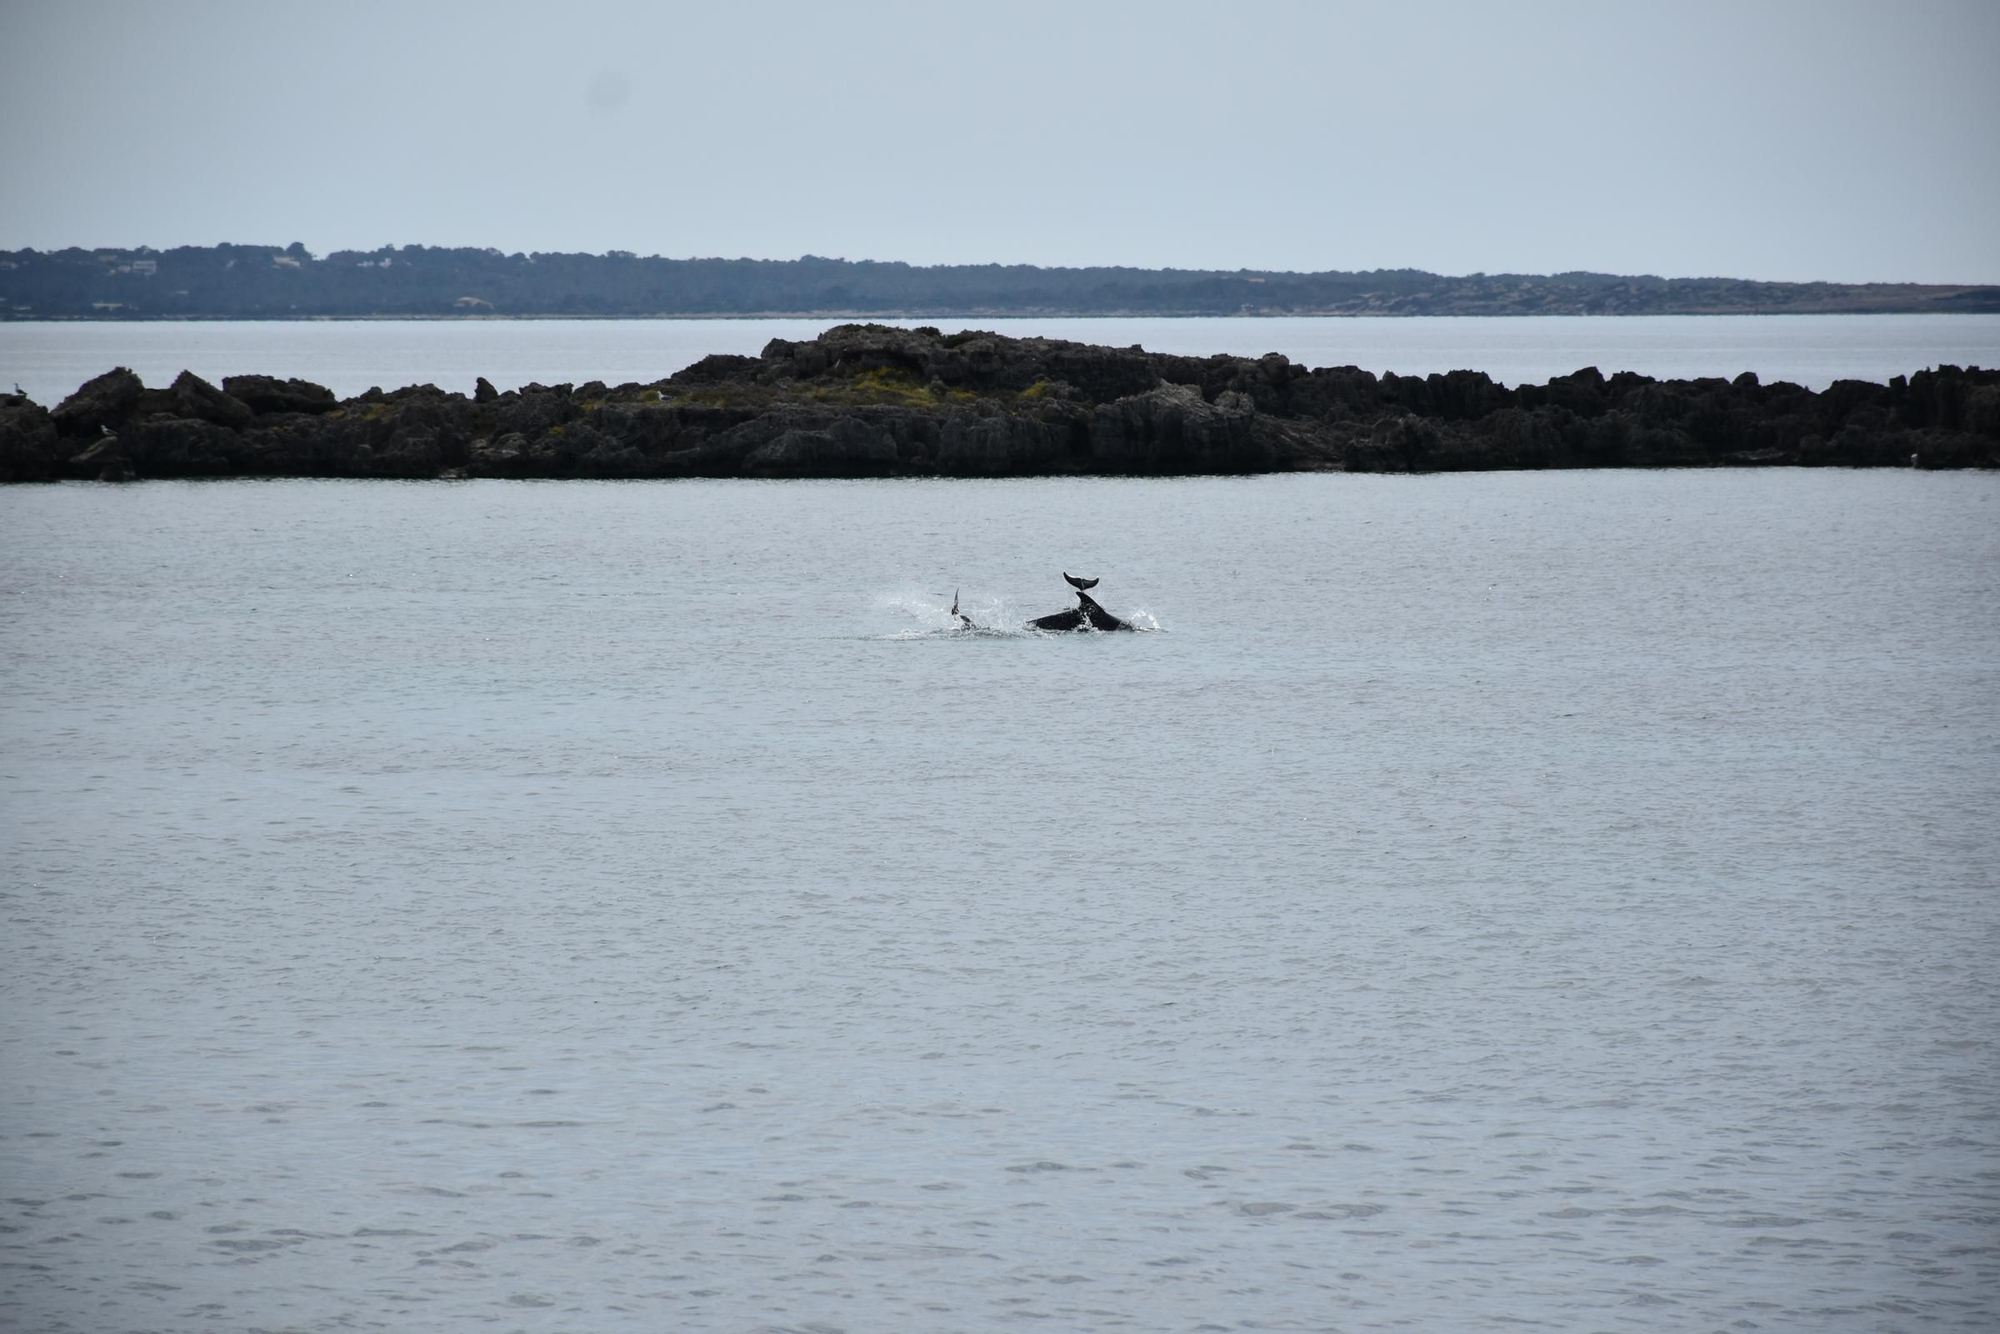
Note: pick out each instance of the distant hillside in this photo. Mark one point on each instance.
(289, 282)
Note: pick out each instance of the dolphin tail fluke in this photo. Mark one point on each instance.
(1077, 583)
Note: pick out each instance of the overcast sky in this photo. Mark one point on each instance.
(1755, 138)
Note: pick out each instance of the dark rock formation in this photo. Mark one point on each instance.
(869, 401)
(196, 397)
(265, 394)
(103, 461)
(29, 451)
(99, 404)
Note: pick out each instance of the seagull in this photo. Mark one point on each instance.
(1079, 584)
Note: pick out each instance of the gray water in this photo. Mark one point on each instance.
(1560, 900)
(50, 360)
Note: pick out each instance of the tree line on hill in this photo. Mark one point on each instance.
(290, 282)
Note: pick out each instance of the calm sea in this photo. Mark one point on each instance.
(51, 360)
(1483, 901)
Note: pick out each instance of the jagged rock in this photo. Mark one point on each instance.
(499, 457)
(1660, 447)
(1403, 443)
(801, 359)
(426, 390)
(196, 397)
(537, 411)
(29, 448)
(104, 461)
(1982, 410)
(264, 393)
(651, 428)
(1581, 392)
(184, 447)
(996, 444)
(1518, 439)
(1453, 396)
(846, 447)
(483, 391)
(610, 460)
(718, 368)
(417, 423)
(1169, 429)
(102, 403)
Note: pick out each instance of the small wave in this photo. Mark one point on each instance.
(960, 632)
(992, 619)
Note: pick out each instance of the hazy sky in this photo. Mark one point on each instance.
(1773, 139)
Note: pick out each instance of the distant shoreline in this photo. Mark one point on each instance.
(264, 282)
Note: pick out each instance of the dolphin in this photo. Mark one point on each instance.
(1077, 583)
(1085, 613)
(963, 619)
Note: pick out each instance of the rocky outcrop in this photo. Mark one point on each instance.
(28, 442)
(265, 394)
(872, 401)
(100, 404)
(197, 398)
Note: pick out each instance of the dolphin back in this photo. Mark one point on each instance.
(1085, 613)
